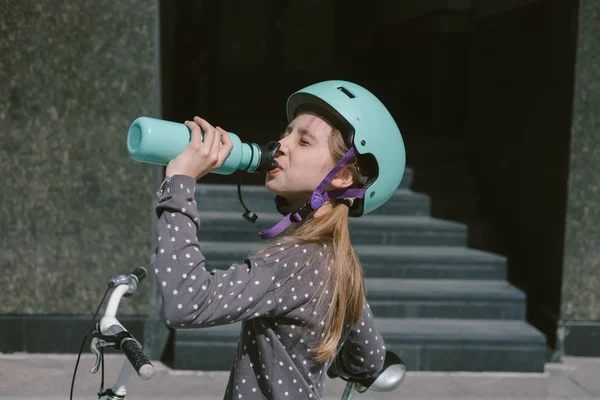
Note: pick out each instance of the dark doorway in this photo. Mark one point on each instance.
(442, 70)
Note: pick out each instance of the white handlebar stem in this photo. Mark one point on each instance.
(112, 307)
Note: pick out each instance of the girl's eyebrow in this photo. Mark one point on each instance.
(302, 131)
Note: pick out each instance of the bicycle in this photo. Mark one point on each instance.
(109, 332)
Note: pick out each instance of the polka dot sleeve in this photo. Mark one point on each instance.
(363, 353)
(194, 297)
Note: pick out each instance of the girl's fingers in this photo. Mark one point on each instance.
(209, 130)
(226, 146)
(216, 144)
(196, 138)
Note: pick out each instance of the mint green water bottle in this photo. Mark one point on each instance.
(157, 141)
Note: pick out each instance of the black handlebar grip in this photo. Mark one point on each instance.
(140, 273)
(137, 358)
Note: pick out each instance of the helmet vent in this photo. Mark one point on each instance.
(346, 92)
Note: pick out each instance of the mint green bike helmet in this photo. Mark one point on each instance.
(367, 125)
(370, 133)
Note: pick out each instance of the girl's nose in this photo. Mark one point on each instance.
(283, 148)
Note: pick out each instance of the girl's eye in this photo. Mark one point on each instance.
(304, 142)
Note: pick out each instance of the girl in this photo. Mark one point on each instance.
(302, 298)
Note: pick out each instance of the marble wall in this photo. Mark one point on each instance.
(581, 271)
(75, 208)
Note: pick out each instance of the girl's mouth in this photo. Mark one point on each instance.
(274, 171)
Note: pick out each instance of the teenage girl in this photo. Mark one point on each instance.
(301, 299)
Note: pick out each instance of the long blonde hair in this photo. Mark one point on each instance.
(344, 275)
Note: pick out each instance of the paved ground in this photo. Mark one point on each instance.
(48, 377)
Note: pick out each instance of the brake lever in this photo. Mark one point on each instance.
(95, 346)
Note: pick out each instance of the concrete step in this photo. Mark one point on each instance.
(369, 229)
(214, 197)
(441, 298)
(425, 262)
(423, 344)
(413, 262)
(466, 345)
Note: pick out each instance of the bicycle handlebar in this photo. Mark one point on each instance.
(137, 358)
(113, 334)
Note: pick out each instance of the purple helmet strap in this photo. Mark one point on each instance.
(318, 198)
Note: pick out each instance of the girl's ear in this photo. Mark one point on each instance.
(342, 180)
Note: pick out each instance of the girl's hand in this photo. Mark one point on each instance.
(201, 157)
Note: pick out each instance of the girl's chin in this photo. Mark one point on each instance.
(272, 187)
(276, 189)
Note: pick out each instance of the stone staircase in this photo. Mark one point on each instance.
(440, 305)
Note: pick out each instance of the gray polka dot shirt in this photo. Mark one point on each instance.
(274, 293)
